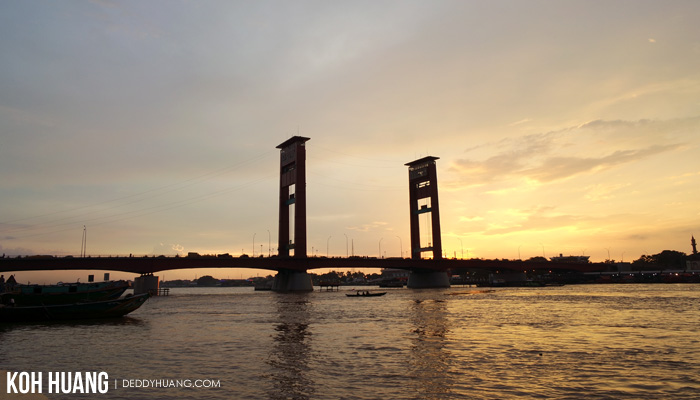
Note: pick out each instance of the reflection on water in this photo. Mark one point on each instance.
(430, 361)
(290, 352)
(81, 324)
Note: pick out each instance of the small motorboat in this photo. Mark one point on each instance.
(365, 293)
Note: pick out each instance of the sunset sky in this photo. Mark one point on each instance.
(562, 126)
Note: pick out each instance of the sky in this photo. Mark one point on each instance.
(561, 126)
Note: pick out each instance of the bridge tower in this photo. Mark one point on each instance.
(423, 198)
(293, 177)
(292, 195)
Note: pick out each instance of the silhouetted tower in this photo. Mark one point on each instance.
(293, 192)
(423, 198)
(692, 242)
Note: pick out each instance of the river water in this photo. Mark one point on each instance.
(570, 342)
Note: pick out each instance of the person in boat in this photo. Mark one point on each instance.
(10, 284)
(2, 283)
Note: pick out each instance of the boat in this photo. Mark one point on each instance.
(81, 310)
(361, 293)
(63, 293)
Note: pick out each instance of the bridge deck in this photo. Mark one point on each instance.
(147, 265)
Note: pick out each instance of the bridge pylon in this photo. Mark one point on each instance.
(292, 195)
(423, 198)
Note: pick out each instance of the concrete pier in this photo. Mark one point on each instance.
(292, 281)
(428, 280)
(147, 283)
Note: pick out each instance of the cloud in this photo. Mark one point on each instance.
(555, 168)
(168, 249)
(545, 218)
(538, 218)
(368, 227)
(562, 154)
(522, 121)
(515, 157)
(471, 218)
(532, 219)
(604, 191)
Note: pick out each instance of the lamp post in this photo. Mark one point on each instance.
(83, 245)
(380, 247)
(400, 244)
(269, 252)
(346, 245)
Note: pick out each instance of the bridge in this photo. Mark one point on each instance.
(292, 262)
(151, 265)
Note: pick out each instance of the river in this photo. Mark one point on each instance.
(631, 341)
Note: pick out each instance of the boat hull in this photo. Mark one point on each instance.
(36, 295)
(84, 310)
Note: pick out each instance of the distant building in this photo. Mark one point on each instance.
(571, 259)
(391, 273)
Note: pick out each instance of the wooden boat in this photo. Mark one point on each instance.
(361, 293)
(37, 295)
(81, 310)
